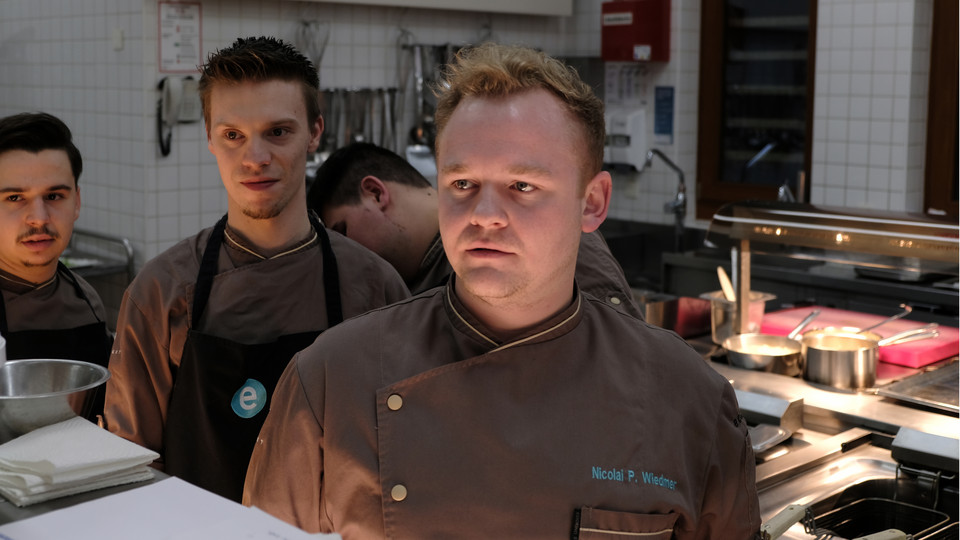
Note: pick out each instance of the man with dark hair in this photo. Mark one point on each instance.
(508, 404)
(207, 327)
(374, 196)
(46, 311)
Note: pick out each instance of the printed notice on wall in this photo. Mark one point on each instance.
(179, 32)
(663, 115)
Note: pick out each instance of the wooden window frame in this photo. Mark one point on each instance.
(940, 172)
(712, 193)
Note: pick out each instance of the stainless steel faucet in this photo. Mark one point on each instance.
(678, 206)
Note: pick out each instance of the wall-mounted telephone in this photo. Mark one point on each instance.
(179, 103)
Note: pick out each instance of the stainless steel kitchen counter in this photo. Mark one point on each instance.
(834, 410)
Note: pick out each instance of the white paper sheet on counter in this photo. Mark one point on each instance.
(170, 509)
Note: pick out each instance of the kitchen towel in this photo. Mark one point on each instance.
(69, 457)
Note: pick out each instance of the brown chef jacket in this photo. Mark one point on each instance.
(53, 305)
(598, 273)
(280, 296)
(411, 422)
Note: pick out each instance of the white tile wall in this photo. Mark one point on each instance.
(56, 55)
(870, 110)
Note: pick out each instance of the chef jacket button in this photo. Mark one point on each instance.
(394, 402)
(398, 492)
(614, 300)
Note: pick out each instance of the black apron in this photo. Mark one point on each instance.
(223, 388)
(87, 343)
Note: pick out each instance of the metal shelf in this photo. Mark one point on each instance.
(796, 22)
(91, 253)
(767, 90)
(767, 56)
(766, 123)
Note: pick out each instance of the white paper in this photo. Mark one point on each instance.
(180, 37)
(170, 509)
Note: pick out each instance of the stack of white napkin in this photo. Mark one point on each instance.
(69, 457)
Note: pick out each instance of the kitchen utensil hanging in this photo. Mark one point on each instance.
(357, 115)
(311, 39)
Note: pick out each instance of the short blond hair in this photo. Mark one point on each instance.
(495, 70)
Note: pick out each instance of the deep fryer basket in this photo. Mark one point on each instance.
(873, 514)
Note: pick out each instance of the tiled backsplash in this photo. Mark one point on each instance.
(59, 56)
(870, 106)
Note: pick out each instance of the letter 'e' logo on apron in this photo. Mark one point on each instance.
(249, 399)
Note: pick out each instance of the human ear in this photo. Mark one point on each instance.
(375, 189)
(76, 209)
(316, 132)
(596, 201)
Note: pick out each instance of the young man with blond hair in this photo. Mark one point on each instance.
(508, 404)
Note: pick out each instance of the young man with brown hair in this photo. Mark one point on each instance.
(207, 327)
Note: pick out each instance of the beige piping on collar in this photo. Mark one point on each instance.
(519, 341)
(278, 255)
(28, 284)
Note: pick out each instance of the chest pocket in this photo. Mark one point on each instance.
(595, 524)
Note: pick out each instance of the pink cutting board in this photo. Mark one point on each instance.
(913, 354)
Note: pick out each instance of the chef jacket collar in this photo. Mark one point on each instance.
(18, 285)
(243, 252)
(553, 327)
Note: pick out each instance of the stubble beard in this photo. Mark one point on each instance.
(269, 212)
(46, 264)
(35, 231)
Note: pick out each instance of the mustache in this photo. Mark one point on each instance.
(38, 230)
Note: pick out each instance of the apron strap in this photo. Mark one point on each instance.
(71, 278)
(208, 270)
(331, 276)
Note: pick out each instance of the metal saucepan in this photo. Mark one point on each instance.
(765, 352)
(865, 331)
(848, 360)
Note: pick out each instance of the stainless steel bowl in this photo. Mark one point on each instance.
(39, 392)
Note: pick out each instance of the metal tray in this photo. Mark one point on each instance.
(939, 388)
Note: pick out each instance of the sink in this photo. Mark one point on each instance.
(639, 248)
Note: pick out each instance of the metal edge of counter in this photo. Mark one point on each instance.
(863, 410)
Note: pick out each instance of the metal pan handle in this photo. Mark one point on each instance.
(803, 324)
(924, 332)
(906, 311)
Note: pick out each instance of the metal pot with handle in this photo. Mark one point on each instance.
(848, 360)
(765, 352)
